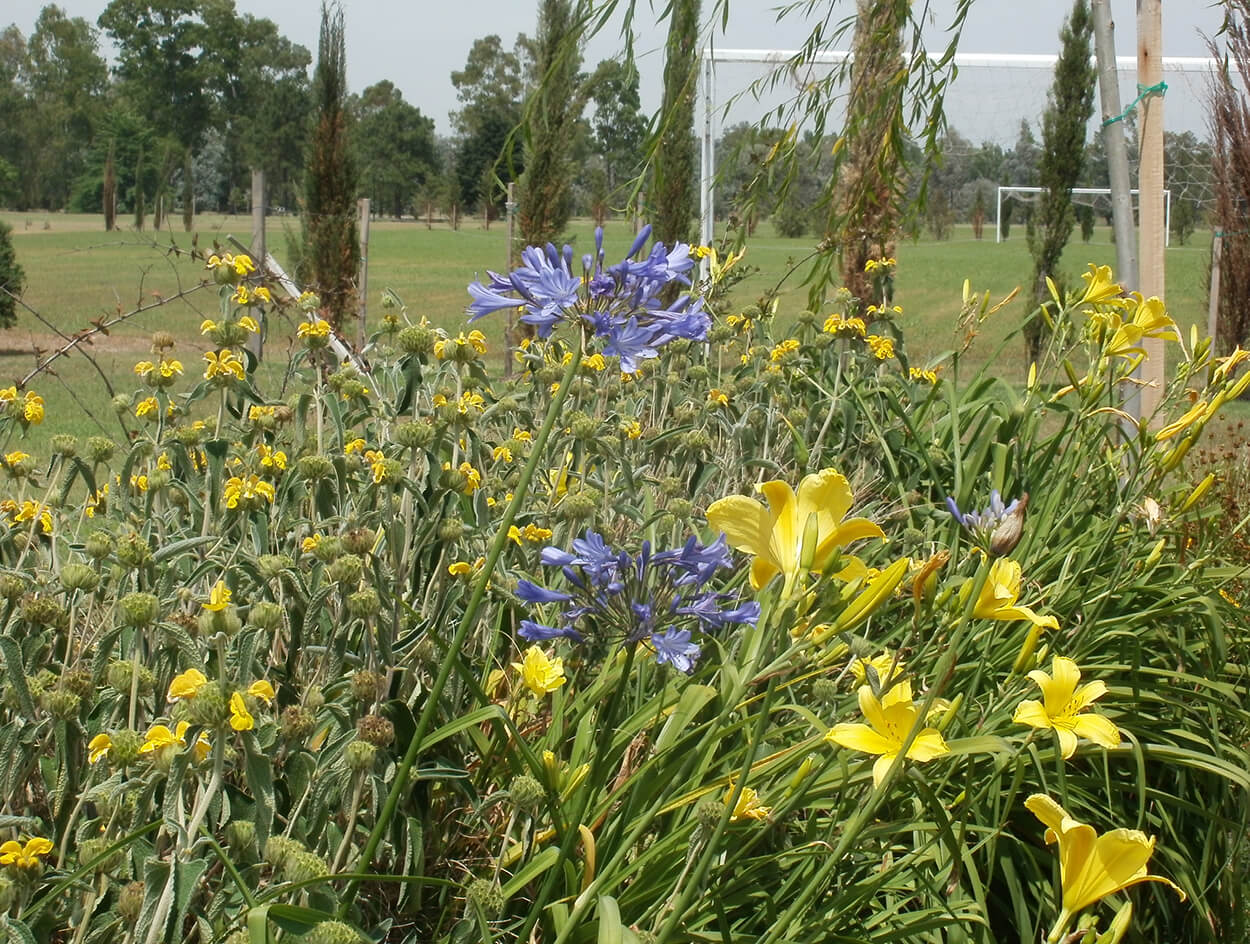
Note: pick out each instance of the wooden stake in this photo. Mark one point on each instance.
(255, 342)
(363, 282)
(510, 206)
(1153, 234)
(1213, 302)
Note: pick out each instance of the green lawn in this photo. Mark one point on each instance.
(76, 272)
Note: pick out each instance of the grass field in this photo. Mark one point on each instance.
(75, 272)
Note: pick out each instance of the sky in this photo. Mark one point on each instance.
(418, 43)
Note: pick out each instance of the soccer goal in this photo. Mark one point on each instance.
(988, 100)
(1087, 196)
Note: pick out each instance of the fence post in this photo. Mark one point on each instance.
(510, 208)
(363, 281)
(255, 342)
(1150, 182)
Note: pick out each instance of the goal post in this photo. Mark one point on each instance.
(711, 57)
(1082, 192)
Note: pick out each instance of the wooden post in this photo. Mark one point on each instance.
(1213, 302)
(363, 281)
(455, 217)
(1150, 181)
(429, 214)
(255, 342)
(510, 209)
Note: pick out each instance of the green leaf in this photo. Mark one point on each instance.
(16, 673)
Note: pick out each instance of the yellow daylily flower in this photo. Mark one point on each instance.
(240, 718)
(1063, 705)
(540, 674)
(218, 597)
(776, 534)
(887, 666)
(1150, 320)
(748, 805)
(1099, 287)
(263, 690)
(890, 720)
(1092, 867)
(1000, 593)
(98, 748)
(187, 685)
(27, 856)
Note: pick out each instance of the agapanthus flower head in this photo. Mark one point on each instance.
(998, 528)
(619, 304)
(657, 598)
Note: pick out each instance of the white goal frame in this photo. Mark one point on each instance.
(1126, 65)
(1083, 191)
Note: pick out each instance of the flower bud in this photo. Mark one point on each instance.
(305, 866)
(78, 681)
(825, 691)
(211, 622)
(314, 698)
(133, 550)
(359, 540)
(315, 467)
(1009, 531)
(75, 576)
(526, 792)
(415, 340)
(139, 609)
(415, 435)
(450, 529)
(100, 449)
(271, 566)
(89, 850)
(266, 614)
(484, 894)
(99, 545)
(360, 756)
(347, 569)
(375, 730)
(279, 850)
(210, 707)
(578, 506)
(241, 835)
(11, 586)
(329, 549)
(708, 814)
(297, 723)
(62, 704)
(130, 903)
(332, 932)
(364, 603)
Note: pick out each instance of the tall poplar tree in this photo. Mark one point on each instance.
(331, 247)
(1070, 106)
(556, 102)
(673, 189)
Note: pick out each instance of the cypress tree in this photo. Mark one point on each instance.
(332, 250)
(1069, 108)
(673, 190)
(545, 199)
(109, 192)
(12, 278)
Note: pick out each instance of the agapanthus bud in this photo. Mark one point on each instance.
(139, 609)
(375, 730)
(130, 902)
(360, 756)
(75, 576)
(1009, 531)
(526, 792)
(485, 894)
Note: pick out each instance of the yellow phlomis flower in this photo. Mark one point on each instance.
(25, 856)
(98, 748)
(186, 685)
(218, 597)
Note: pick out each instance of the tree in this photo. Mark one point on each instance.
(68, 79)
(394, 147)
(12, 278)
(555, 104)
(619, 129)
(15, 111)
(490, 88)
(1070, 106)
(332, 251)
(868, 196)
(673, 188)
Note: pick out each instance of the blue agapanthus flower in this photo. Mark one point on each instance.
(982, 525)
(619, 304)
(659, 599)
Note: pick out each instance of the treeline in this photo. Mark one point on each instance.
(201, 94)
(960, 189)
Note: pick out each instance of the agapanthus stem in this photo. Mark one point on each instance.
(467, 622)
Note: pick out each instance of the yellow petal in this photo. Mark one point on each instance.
(38, 846)
(240, 718)
(263, 690)
(744, 521)
(785, 530)
(881, 768)
(1067, 740)
(826, 494)
(1097, 728)
(860, 737)
(1032, 713)
(927, 745)
(762, 571)
(1064, 680)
